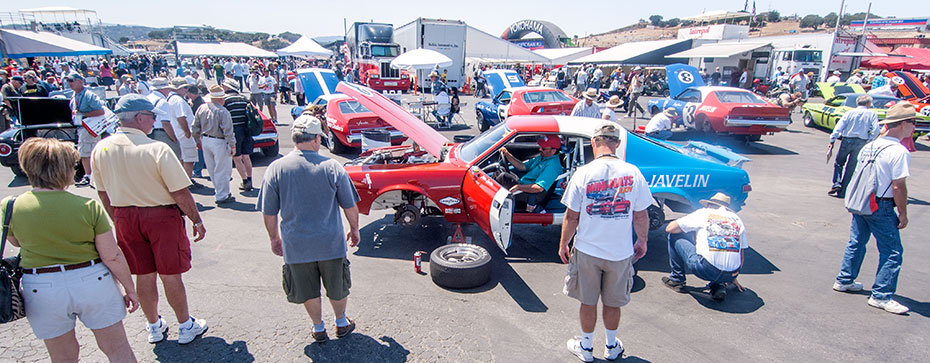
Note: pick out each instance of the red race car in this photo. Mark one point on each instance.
(267, 141)
(346, 119)
(909, 88)
(523, 101)
(722, 110)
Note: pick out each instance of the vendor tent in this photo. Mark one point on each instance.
(718, 50)
(222, 49)
(421, 58)
(305, 47)
(22, 44)
(492, 49)
(649, 52)
(563, 55)
(906, 59)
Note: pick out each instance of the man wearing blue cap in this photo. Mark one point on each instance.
(84, 104)
(143, 187)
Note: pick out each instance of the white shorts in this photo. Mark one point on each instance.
(86, 142)
(188, 149)
(54, 299)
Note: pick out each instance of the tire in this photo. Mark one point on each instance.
(703, 125)
(654, 111)
(750, 138)
(482, 123)
(272, 150)
(335, 146)
(808, 119)
(18, 171)
(666, 92)
(656, 217)
(460, 266)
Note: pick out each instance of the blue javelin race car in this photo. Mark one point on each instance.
(497, 81)
(316, 82)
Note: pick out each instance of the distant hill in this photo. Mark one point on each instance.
(133, 32)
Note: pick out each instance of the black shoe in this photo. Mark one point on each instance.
(246, 185)
(674, 285)
(718, 292)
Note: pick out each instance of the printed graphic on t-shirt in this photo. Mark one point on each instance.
(606, 198)
(722, 233)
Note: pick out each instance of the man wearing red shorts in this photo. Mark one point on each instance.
(143, 187)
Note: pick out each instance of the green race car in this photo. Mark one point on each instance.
(841, 97)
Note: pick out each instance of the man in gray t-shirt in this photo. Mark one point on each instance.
(307, 190)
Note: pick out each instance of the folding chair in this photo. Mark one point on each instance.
(457, 116)
(443, 110)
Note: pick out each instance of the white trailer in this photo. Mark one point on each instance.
(444, 36)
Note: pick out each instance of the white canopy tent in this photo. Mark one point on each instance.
(628, 53)
(421, 58)
(479, 44)
(718, 50)
(222, 49)
(564, 55)
(22, 44)
(305, 47)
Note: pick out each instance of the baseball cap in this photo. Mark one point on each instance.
(135, 102)
(549, 141)
(75, 75)
(607, 129)
(307, 124)
(17, 78)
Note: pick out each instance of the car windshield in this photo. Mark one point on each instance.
(352, 106)
(545, 96)
(877, 102)
(481, 143)
(841, 89)
(738, 97)
(384, 50)
(807, 56)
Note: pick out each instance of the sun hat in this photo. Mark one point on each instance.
(670, 112)
(159, 83)
(434, 74)
(135, 102)
(231, 84)
(217, 92)
(590, 94)
(901, 111)
(178, 82)
(549, 141)
(307, 124)
(718, 199)
(607, 129)
(614, 102)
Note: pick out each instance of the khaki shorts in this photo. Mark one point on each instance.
(590, 277)
(86, 142)
(188, 148)
(301, 281)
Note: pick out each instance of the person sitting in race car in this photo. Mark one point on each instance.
(660, 126)
(540, 172)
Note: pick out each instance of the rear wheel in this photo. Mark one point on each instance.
(482, 123)
(335, 146)
(271, 151)
(703, 124)
(750, 138)
(460, 266)
(808, 119)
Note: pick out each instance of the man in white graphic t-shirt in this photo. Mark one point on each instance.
(714, 253)
(606, 202)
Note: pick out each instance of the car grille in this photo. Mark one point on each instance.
(388, 72)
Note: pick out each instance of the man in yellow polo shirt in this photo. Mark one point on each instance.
(144, 189)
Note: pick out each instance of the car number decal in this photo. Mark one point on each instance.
(688, 113)
(925, 111)
(685, 77)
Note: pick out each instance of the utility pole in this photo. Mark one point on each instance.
(836, 31)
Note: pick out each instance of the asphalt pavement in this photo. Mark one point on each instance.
(788, 313)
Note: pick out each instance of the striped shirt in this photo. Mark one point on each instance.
(237, 105)
(582, 109)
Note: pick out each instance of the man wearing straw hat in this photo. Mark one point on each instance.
(890, 160)
(610, 112)
(587, 107)
(714, 252)
(213, 132)
(660, 126)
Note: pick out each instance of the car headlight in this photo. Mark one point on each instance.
(5, 149)
(374, 76)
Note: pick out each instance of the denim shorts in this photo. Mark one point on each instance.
(54, 300)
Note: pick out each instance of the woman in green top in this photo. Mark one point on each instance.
(70, 258)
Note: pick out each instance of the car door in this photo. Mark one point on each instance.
(503, 104)
(490, 206)
(686, 104)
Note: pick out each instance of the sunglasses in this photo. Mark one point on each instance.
(148, 113)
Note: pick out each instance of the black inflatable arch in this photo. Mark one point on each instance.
(552, 34)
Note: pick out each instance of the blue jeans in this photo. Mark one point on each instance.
(200, 164)
(884, 225)
(661, 134)
(845, 163)
(682, 253)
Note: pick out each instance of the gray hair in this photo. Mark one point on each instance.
(301, 137)
(129, 116)
(864, 100)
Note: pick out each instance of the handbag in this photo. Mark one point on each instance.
(11, 298)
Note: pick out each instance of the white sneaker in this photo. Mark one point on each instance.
(612, 353)
(187, 335)
(157, 331)
(855, 286)
(574, 346)
(889, 305)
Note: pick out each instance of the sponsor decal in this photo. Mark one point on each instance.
(453, 210)
(679, 180)
(449, 201)
(367, 180)
(897, 80)
(707, 108)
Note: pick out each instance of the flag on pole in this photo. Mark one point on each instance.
(746, 5)
(753, 10)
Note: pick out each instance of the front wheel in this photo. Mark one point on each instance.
(808, 119)
(482, 122)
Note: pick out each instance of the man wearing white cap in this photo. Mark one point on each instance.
(835, 77)
(213, 132)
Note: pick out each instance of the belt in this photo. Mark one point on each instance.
(885, 199)
(61, 268)
(214, 137)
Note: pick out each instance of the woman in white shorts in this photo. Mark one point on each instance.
(70, 258)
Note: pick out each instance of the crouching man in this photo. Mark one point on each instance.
(714, 253)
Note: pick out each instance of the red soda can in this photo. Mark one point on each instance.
(417, 260)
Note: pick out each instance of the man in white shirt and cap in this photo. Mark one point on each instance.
(854, 129)
(835, 77)
(660, 126)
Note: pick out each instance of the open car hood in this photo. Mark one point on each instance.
(913, 88)
(829, 90)
(417, 130)
(682, 76)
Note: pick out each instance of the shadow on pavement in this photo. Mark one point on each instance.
(917, 307)
(631, 359)
(736, 302)
(18, 181)
(204, 349)
(260, 160)
(656, 258)
(357, 347)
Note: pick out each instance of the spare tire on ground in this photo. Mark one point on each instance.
(460, 266)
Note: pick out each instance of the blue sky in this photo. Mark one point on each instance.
(318, 18)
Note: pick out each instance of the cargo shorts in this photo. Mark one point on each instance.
(301, 281)
(590, 278)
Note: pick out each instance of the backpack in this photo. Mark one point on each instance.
(860, 194)
(255, 122)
